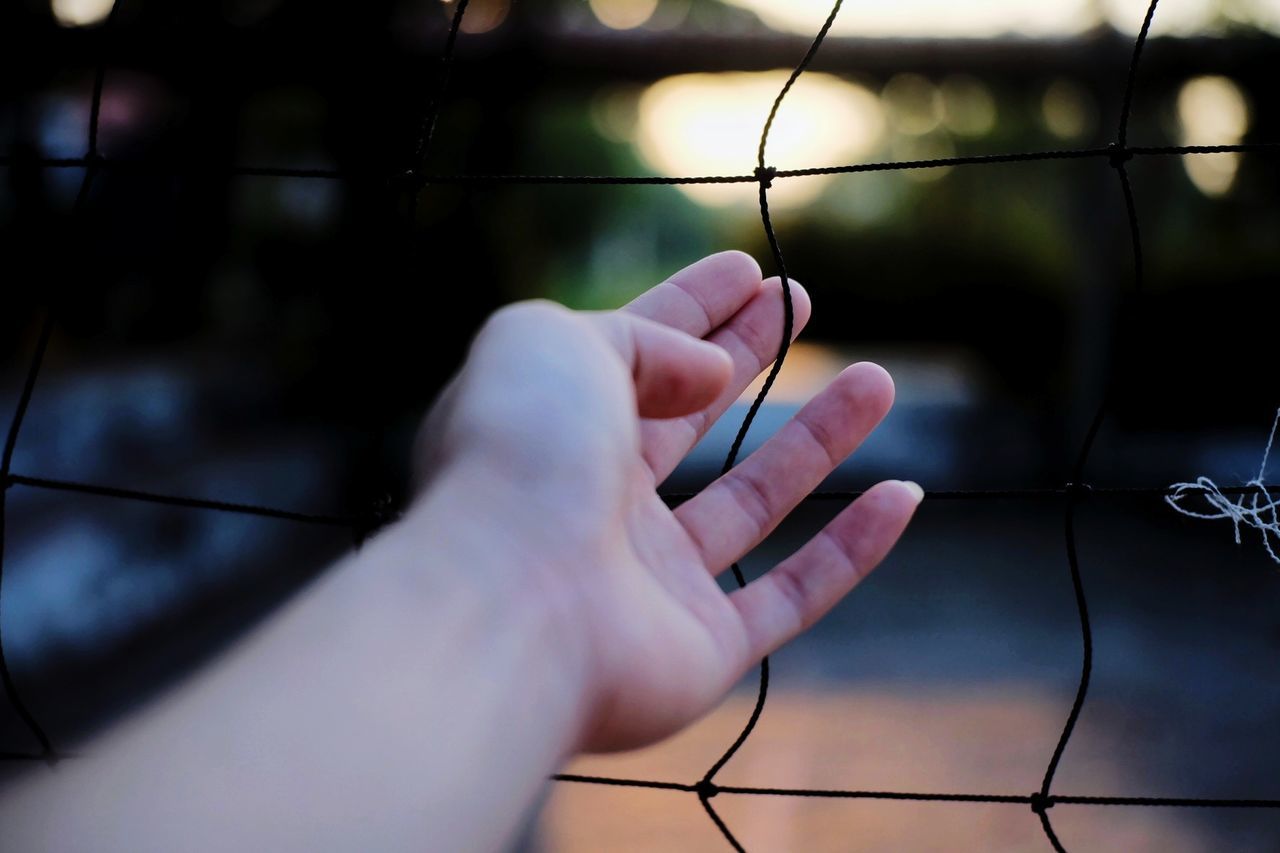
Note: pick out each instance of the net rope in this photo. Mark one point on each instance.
(413, 179)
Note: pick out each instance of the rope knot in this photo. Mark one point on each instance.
(1040, 803)
(1256, 508)
(765, 175)
(1118, 156)
(706, 789)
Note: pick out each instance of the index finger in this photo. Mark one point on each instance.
(703, 295)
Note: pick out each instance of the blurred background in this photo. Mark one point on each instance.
(274, 341)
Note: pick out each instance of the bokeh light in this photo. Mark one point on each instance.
(1182, 18)
(623, 14)
(913, 104)
(1212, 111)
(929, 18)
(709, 124)
(946, 19)
(614, 113)
(933, 146)
(968, 108)
(1263, 14)
(1069, 112)
(81, 13)
(1192, 17)
(481, 16)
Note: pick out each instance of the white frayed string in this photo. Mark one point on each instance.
(1256, 509)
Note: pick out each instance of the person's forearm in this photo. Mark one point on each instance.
(398, 703)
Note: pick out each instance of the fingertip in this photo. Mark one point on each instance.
(904, 495)
(737, 264)
(799, 294)
(722, 282)
(877, 385)
(863, 392)
(915, 489)
(801, 303)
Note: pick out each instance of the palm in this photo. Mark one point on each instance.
(667, 640)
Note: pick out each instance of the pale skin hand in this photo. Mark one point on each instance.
(549, 401)
(537, 599)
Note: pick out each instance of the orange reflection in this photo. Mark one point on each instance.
(990, 739)
(481, 16)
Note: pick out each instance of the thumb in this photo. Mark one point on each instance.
(674, 373)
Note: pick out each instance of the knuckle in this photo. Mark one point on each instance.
(793, 590)
(759, 340)
(831, 445)
(526, 311)
(753, 498)
(527, 320)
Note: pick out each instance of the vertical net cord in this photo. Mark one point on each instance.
(382, 509)
(764, 175)
(427, 127)
(1043, 801)
(430, 113)
(91, 158)
(415, 179)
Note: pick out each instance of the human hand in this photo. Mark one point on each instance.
(549, 445)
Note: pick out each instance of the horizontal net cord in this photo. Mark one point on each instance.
(414, 179)
(672, 498)
(712, 789)
(180, 167)
(1252, 514)
(179, 500)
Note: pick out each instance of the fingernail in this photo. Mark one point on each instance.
(914, 488)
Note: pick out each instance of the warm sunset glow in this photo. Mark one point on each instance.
(1263, 14)
(929, 18)
(1212, 110)
(1192, 17)
(81, 13)
(709, 124)
(1182, 18)
(993, 18)
(841, 736)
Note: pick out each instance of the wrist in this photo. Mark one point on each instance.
(469, 546)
